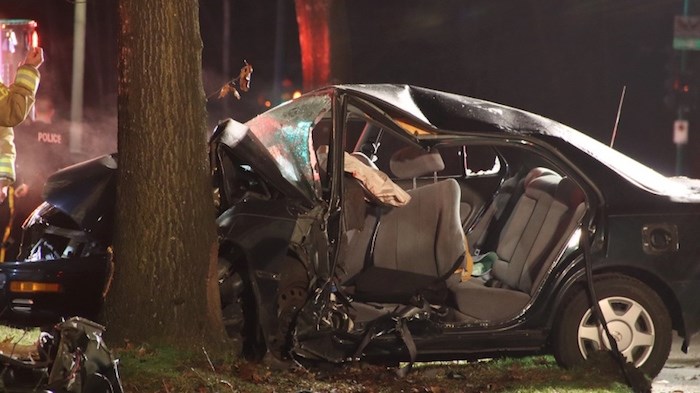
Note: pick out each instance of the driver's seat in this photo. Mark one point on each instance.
(414, 248)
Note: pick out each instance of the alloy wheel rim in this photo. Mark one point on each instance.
(630, 325)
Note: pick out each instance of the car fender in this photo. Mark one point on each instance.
(577, 276)
(268, 234)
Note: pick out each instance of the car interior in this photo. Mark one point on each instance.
(518, 214)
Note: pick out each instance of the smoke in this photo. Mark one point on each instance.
(99, 132)
(43, 143)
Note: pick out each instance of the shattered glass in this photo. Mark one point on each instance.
(286, 133)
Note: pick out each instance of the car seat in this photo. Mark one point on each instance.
(545, 215)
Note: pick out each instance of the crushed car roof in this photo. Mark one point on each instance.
(453, 113)
(448, 111)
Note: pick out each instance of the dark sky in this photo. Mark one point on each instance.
(564, 59)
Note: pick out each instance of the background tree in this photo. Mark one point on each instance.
(315, 41)
(323, 40)
(165, 246)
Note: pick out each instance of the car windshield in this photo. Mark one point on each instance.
(627, 167)
(286, 133)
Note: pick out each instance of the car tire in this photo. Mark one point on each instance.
(636, 317)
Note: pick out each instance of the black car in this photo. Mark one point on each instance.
(398, 223)
(65, 260)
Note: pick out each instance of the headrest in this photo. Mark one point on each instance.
(411, 162)
(569, 193)
(542, 185)
(534, 173)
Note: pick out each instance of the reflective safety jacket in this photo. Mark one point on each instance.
(15, 103)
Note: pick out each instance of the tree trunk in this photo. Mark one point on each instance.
(314, 41)
(165, 284)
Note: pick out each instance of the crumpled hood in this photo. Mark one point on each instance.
(237, 138)
(87, 193)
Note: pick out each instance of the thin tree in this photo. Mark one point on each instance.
(164, 286)
(323, 40)
(315, 41)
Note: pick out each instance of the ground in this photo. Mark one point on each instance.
(682, 371)
(145, 369)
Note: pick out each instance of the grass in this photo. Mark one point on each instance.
(18, 336)
(167, 370)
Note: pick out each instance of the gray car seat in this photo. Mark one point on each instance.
(414, 248)
(544, 216)
(484, 234)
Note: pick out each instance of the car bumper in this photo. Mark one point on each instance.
(39, 292)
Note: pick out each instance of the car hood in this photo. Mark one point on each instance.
(278, 146)
(86, 192)
(238, 139)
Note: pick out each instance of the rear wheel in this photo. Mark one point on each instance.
(636, 317)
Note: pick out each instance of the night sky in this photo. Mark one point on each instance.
(564, 59)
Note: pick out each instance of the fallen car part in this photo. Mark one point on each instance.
(72, 358)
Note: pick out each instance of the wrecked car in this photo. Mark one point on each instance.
(396, 223)
(65, 260)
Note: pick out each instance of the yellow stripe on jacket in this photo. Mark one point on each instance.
(16, 102)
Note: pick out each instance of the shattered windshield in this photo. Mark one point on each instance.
(286, 133)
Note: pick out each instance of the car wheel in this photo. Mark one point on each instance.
(636, 317)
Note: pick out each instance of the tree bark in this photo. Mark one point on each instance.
(165, 284)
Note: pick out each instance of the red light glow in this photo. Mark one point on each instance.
(315, 43)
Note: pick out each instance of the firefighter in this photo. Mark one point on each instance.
(16, 102)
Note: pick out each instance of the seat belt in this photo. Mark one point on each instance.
(396, 321)
(407, 338)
